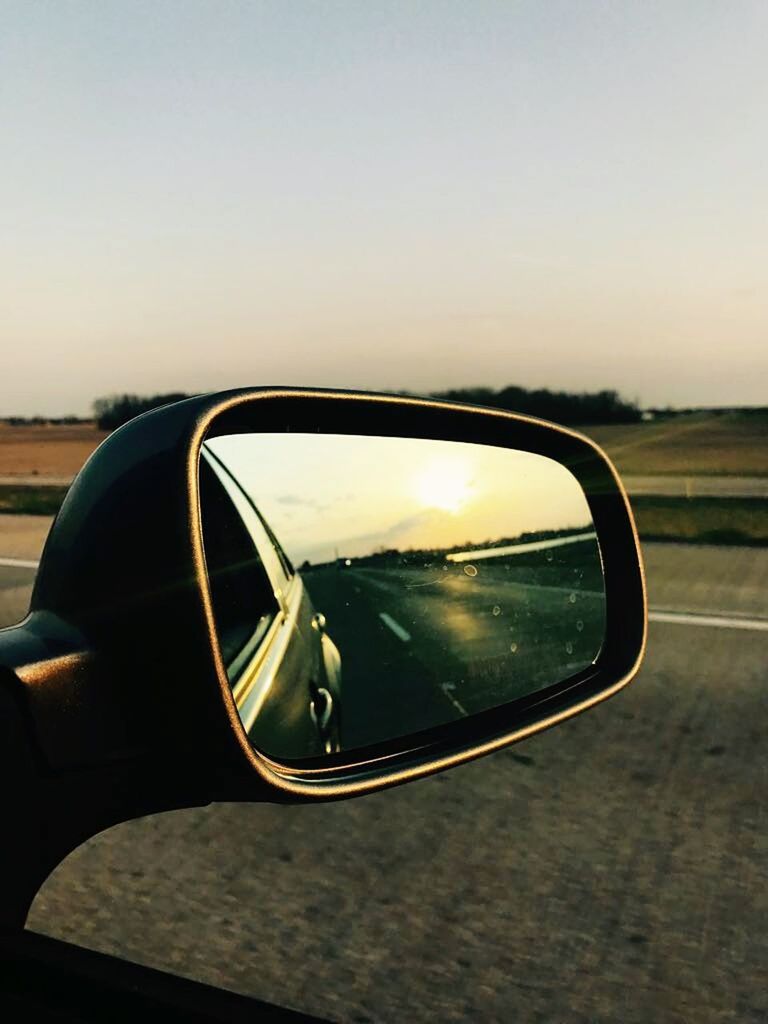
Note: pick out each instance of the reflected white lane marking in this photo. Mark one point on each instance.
(518, 549)
(716, 621)
(397, 629)
(447, 689)
(18, 563)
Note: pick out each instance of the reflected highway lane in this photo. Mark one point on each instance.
(431, 645)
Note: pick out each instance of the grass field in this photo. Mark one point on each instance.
(31, 501)
(703, 520)
(732, 444)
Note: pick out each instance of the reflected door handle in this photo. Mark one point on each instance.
(325, 698)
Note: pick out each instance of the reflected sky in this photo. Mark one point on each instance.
(331, 496)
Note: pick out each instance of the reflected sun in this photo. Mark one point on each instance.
(445, 484)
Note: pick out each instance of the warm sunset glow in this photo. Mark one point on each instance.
(330, 497)
(445, 484)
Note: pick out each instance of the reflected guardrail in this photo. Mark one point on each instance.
(518, 549)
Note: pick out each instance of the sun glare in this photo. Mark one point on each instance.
(445, 484)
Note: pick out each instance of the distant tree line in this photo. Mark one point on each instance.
(43, 421)
(569, 408)
(115, 410)
(591, 408)
(566, 407)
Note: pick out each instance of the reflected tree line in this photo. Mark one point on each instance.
(390, 558)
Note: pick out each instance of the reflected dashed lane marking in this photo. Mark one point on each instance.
(448, 689)
(397, 629)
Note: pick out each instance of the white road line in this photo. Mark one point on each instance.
(716, 621)
(447, 688)
(698, 486)
(396, 628)
(18, 563)
(518, 549)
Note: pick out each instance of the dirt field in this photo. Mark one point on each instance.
(734, 444)
(46, 451)
(702, 520)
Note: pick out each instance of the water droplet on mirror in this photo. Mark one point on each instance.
(470, 570)
(572, 599)
(549, 556)
(496, 610)
(569, 647)
(579, 625)
(513, 648)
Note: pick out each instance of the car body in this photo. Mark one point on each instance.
(284, 668)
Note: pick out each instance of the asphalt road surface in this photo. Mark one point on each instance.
(698, 486)
(425, 645)
(34, 480)
(612, 869)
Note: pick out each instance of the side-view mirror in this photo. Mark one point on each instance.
(300, 595)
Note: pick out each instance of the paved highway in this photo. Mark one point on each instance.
(698, 486)
(34, 480)
(615, 868)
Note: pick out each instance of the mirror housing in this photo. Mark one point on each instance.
(119, 658)
(114, 702)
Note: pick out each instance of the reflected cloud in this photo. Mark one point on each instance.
(397, 535)
(295, 499)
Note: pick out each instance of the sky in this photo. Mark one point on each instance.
(392, 195)
(328, 496)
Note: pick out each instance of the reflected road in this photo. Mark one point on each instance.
(428, 645)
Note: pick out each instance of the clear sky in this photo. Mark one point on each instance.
(199, 195)
(355, 495)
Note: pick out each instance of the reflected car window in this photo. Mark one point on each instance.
(244, 601)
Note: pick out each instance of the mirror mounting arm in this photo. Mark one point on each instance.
(51, 804)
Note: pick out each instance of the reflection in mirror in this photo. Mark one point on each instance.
(414, 582)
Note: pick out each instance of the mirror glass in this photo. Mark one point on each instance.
(366, 588)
